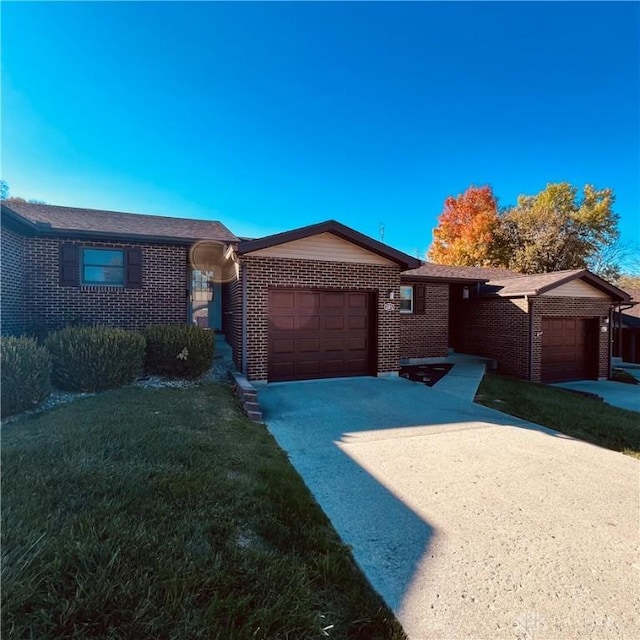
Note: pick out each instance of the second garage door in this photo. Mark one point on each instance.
(320, 334)
(568, 349)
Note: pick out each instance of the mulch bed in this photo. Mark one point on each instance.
(428, 374)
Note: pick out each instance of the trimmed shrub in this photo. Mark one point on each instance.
(25, 374)
(95, 358)
(179, 350)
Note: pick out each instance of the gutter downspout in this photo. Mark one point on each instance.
(530, 303)
(243, 279)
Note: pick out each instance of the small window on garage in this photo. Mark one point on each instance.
(105, 267)
(406, 299)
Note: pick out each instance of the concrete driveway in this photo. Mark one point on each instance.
(469, 523)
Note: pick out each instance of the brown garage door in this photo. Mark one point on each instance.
(319, 334)
(568, 349)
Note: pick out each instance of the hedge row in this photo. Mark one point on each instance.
(98, 358)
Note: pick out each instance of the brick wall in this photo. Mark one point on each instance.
(427, 336)
(161, 300)
(232, 318)
(499, 329)
(495, 328)
(12, 311)
(548, 306)
(264, 272)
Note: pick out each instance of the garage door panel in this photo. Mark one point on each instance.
(358, 301)
(356, 344)
(283, 346)
(282, 370)
(333, 344)
(283, 300)
(333, 300)
(284, 322)
(333, 367)
(334, 323)
(306, 368)
(325, 334)
(306, 345)
(357, 322)
(307, 300)
(306, 323)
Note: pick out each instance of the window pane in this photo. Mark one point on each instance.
(406, 299)
(103, 257)
(103, 275)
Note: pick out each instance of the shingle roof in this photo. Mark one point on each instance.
(449, 272)
(634, 311)
(539, 283)
(87, 221)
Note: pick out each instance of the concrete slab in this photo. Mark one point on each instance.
(469, 523)
(617, 394)
(464, 378)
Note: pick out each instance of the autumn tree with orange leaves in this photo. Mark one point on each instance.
(466, 229)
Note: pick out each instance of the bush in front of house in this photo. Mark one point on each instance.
(95, 358)
(179, 350)
(25, 374)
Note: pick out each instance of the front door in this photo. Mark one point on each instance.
(205, 308)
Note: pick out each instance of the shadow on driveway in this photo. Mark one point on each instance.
(467, 521)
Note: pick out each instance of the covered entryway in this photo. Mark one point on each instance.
(320, 334)
(568, 351)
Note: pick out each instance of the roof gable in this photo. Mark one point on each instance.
(325, 247)
(329, 227)
(545, 283)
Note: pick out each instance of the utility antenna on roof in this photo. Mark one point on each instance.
(382, 232)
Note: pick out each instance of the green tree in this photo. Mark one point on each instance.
(559, 228)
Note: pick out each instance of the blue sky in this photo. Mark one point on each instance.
(269, 116)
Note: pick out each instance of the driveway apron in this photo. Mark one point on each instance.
(468, 522)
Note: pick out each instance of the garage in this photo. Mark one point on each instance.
(320, 334)
(568, 349)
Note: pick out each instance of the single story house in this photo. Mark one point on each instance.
(320, 301)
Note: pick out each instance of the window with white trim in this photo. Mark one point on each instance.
(406, 299)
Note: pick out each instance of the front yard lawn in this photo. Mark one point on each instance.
(575, 415)
(165, 513)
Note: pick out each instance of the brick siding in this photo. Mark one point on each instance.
(427, 335)
(499, 329)
(232, 318)
(161, 300)
(495, 328)
(264, 272)
(12, 312)
(548, 306)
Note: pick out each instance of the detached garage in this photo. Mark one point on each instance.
(321, 301)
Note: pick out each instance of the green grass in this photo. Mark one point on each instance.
(575, 415)
(165, 513)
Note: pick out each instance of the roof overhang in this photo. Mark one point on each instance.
(341, 231)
